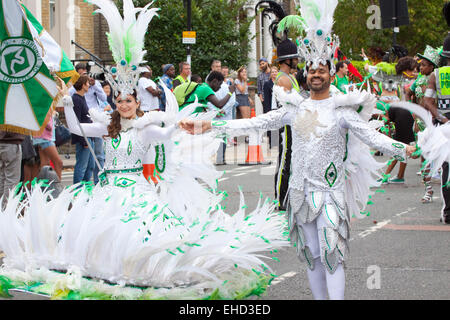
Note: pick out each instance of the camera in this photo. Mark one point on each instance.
(95, 75)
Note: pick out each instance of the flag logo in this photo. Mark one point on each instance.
(20, 60)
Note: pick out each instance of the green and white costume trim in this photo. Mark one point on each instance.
(332, 169)
(172, 241)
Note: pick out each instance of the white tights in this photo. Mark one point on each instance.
(321, 281)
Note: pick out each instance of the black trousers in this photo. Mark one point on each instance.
(445, 190)
(283, 166)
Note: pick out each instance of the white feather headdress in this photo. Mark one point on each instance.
(317, 44)
(126, 41)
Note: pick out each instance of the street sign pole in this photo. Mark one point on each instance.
(394, 18)
(189, 28)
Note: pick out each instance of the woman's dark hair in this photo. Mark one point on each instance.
(405, 63)
(340, 64)
(82, 80)
(105, 83)
(114, 126)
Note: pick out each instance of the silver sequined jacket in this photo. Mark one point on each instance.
(319, 140)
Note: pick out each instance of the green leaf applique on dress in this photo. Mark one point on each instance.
(331, 174)
(116, 142)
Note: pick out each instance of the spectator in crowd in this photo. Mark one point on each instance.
(263, 77)
(206, 92)
(167, 79)
(226, 74)
(30, 161)
(46, 146)
(226, 113)
(242, 97)
(84, 164)
(10, 160)
(216, 65)
(95, 98)
(341, 78)
(110, 97)
(268, 89)
(185, 73)
(148, 91)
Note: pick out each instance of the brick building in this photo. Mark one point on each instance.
(72, 20)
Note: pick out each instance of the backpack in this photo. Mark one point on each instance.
(184, 91)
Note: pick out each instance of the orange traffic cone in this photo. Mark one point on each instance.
(149, 172)
(254, 152)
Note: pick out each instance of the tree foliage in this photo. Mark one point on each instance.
(427, 26)
(222, 33)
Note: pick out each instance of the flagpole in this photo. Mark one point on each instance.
(89, 145)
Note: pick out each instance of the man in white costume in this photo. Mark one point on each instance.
(332, 169)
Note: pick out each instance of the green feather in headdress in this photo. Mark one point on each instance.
(387, 68)
(292, 21)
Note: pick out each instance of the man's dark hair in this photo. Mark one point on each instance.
(80, 65)
(215, 75)
(405, 63)
(80, 82)
(196, 78)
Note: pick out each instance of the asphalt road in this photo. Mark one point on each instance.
(399, 252)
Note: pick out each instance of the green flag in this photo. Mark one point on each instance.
(27, 89)
(53, 55)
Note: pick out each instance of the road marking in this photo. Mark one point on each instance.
(407, 210)
(373, 229)
(239, 168)
(283, 277)
(406, 227)
(381, 224)
(223, 179)
(239, 174)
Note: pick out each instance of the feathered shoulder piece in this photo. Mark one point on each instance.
(287, 99)
(363, 102)
(126, 41)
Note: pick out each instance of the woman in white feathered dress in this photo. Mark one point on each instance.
(126, 231)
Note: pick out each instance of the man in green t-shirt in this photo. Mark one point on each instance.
(341, 79)
(205, 92)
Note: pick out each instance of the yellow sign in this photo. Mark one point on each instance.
(189, 34)
(189, 37)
